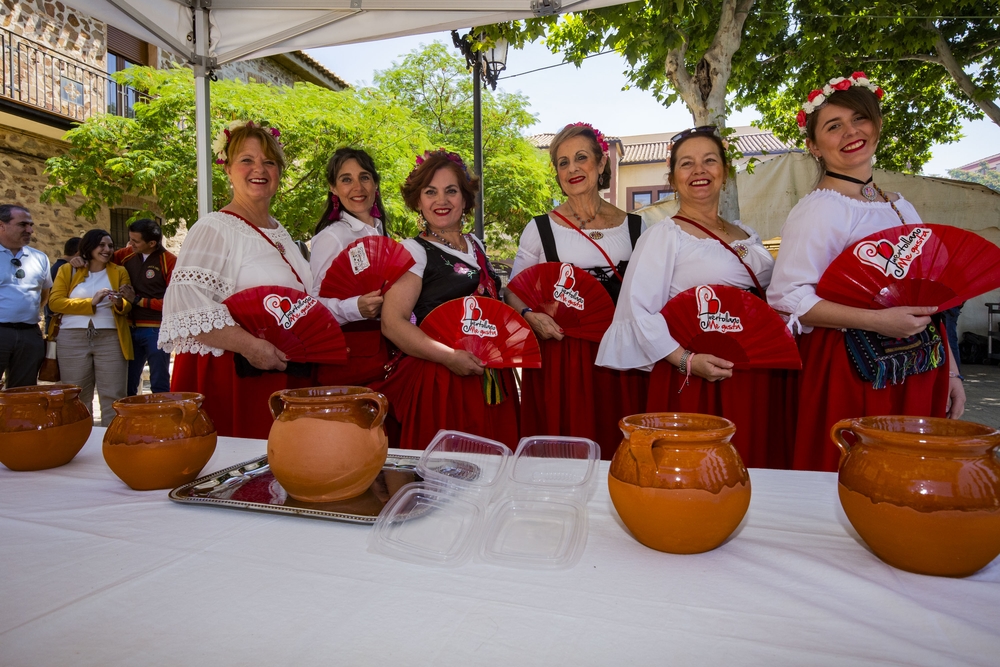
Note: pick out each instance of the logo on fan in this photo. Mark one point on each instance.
(710, 314)
(564, 292)
(285, 312)
(359, 258)
(894, 260)
(473, 323)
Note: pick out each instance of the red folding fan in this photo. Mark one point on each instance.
(294, 322)
(569, 295)
(368, 264)
(912, 265)
(731, 324)
(489, 329)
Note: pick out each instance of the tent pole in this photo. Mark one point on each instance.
(477, 137)
(203, 111)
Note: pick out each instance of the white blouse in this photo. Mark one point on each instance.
(420, 254)
(817, 230)
(573, 247)
(667, 260)
(223, 255)
(103, 317)
(325, 247)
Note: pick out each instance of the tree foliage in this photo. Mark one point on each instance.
(153, 155)
(518, 183)
(983, 175)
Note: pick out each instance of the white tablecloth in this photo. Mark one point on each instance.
(93, 573)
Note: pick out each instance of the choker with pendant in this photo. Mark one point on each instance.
(868, 189)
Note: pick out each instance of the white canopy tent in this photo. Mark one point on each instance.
(245, 29)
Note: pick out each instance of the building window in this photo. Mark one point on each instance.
(640, 199)
(124, 51)
(636, 198)
(119, 225)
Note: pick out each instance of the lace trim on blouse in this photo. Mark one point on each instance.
(178, 331)
(224, 287)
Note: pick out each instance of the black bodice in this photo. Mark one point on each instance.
(447, 277)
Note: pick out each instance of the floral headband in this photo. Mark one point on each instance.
(601, 141)
(221, 141)
(454, 157)
(819, 96)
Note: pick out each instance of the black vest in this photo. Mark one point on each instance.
(604, 274)
(446, 277)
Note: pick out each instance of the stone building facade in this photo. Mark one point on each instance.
(55, 73)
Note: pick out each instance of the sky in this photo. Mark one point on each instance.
(594, 93)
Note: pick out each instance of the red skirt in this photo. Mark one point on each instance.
(761, 403)
(366, 362)
(830, 390)
(426, 397)
(238, 406)
(570, 395)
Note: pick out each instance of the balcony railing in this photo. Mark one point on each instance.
(36, 77)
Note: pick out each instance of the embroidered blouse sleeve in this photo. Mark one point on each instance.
(816, 231)
(205, 275)
(325, 247)
(638, 336)
(529, 251)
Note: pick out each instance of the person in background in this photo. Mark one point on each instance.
(94, 340)
(149, 267)
(25, 282)
(71, 250)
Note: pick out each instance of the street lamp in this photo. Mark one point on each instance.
(484, 64)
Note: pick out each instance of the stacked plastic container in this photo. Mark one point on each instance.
(528, 510)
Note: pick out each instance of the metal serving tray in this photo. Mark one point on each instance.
(251, 486)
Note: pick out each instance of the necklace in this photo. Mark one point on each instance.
(721, 227)
(443, 240)
(868, 189)
(584, 223)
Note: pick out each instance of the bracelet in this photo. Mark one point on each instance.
(683, 363)
(957, 375)
(526, 310)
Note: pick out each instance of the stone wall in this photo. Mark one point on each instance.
(57, 27)
(261, 70)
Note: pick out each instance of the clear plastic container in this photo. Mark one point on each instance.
(555, 466)
(534, 534)
(464, 462)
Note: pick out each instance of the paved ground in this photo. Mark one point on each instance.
(982, 391)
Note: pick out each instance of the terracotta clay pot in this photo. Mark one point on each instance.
(923, 493)
(42, 426)
(159, 441)
(327, 443)
(677, 482)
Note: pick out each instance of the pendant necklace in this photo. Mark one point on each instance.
(594, 233)
(868, 189)
(443, 240)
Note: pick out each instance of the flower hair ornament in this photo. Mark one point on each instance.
(819, 96)
(454, 157)
(221, 141)
(601, 141)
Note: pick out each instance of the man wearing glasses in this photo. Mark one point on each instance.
(24, 288)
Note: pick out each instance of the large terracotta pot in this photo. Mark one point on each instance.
(923, 493)
(42, 426)
(159, 441)
(327, 443)
(677, 482)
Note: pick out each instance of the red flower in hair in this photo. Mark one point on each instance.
(801, 118)
(859, 75)
(842, 85)
(814, 94)
(879, 93)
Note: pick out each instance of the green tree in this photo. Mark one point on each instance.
(436, 86)
(984, 176)
(153, 155)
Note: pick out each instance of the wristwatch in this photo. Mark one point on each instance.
(526, 310)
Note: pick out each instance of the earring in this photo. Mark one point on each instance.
(335, 208)
(375, 212)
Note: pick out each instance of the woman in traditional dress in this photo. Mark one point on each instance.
(94, 339)
(354, 210)
(842, 123)
(569, 395)
(236, 248)
(434, 386)
(698, 247)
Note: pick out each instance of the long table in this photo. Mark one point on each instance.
(93, 573)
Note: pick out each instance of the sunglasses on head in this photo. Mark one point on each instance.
(701, 129)
(20, 272)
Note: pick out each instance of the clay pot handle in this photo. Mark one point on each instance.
(54, 399)
(276, 403)
(837, 435)
(641, 446)
(189, 412)
(381, 405)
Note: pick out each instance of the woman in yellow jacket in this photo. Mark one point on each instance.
(94, 343)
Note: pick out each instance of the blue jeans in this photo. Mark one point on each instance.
(144, 347)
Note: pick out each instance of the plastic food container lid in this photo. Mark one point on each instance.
(427, 524)
(556, 465)
(465, 462)
(535, 534)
